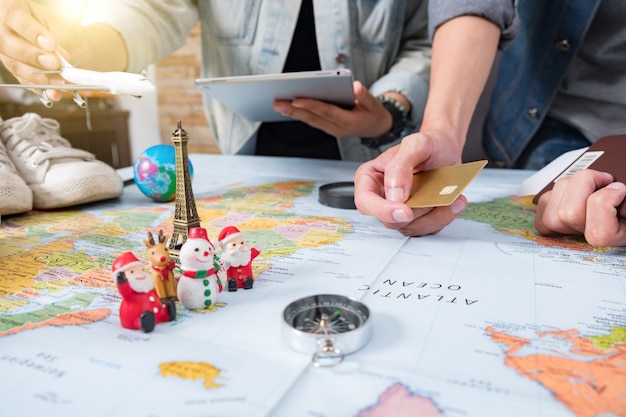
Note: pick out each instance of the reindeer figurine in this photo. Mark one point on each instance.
(162, 267)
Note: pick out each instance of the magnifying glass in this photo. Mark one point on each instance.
(337, 195)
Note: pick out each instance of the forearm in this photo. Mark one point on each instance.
(464, 49)
(149, 29)
(98, 47)
(95, 46)
(407, 79)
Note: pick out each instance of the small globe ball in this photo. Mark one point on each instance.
(155, 172)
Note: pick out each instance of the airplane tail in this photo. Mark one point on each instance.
(64, 63)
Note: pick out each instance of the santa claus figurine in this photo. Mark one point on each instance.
(237, 256)
(141, 307)
(199, 284)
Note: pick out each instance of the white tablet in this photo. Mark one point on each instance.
(252, 96)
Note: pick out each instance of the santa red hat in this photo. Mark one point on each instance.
(227, 234)
(124, 261)
(199, 233)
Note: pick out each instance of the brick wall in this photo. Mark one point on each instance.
(180, 99)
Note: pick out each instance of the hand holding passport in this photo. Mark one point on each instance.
(607, 154)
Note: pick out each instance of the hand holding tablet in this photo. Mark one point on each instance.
(253, 96)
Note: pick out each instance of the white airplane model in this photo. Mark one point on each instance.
(115, 82)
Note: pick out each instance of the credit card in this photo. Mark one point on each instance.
(441, 186)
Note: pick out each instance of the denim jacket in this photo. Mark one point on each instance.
(385, 44)
(532, 64)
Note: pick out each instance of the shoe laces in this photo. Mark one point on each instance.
(37, 140)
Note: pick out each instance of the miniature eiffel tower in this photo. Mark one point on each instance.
(185, 212)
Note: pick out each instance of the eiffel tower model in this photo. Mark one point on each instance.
(185, 212)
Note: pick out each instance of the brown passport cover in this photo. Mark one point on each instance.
(613, 161)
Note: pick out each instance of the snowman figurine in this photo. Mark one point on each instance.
(199, 284)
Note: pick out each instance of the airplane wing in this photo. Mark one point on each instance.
(74, 88)
(63, 87)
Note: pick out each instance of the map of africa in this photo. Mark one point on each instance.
(484, 318)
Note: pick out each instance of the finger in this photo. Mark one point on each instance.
(369, 193)
(18, 50)
(54, 95)
(27, 23)
(435, 220)
(331, 112)
(560, 217)
(329, 118)
(364, 98)
(572, 208)
(372, 198)
(312, 109)
(604, 227)
(26, 45)
(565, 209)
(568, 214)
(547, 220)
(27, 74)
(540, 213)
(399, 171)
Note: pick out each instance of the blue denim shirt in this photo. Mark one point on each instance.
(385, 44)
(531, 67)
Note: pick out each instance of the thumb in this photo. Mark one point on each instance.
(363, 96)
(398, 177)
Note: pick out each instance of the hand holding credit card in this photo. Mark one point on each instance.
(441, 186)
(607, 154)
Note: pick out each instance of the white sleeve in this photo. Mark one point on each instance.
(152, 29)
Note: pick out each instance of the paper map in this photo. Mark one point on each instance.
(482, 319)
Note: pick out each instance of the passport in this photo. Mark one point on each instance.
(607, 154)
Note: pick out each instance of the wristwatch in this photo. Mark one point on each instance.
(399, 116)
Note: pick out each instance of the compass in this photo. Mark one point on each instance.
(328, 326)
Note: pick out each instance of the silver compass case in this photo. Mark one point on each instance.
(326, 324)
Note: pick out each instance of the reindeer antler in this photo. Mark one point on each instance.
(161, 236)
(150, 240)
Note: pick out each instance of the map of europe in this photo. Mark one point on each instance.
(465, 341)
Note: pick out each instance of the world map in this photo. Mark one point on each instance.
(585, 373)
(40, 259)
(484, 318)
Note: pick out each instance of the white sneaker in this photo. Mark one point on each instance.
(15, 196)
(57, 174)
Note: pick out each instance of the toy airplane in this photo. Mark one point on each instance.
(115, 82)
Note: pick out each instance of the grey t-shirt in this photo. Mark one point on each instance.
(592, 97)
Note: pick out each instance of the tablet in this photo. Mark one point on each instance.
(252, 96)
